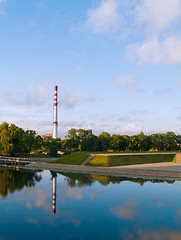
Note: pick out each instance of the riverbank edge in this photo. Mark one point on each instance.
(112, 171)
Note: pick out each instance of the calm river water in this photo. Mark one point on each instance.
(87, 207)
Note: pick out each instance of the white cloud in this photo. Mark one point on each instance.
(178, 82)
(155, 15)
(2, 12)
(162, 90)
(177, 130)
(131, 129)
(94, 98)
(156, 234)
(160, 203)
(105, 18)
(70, 100)
(127, 211)
(153, 51)
(124, 119)
(158, 14)
(68, 192)
(32, 220)
(37, 199)
(68, 217)
(34, 95)
(138, 111)
(128, 82)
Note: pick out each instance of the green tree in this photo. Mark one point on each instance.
(144, 141)
(53, 148)
(171, 141)
(91, 143)
(118, 142)
(73, 138)
(134, 144)
(104, 138)
(15, 141)
(158, 141)
(5, 139)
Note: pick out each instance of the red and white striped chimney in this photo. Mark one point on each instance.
(54, 194)
(55, 117)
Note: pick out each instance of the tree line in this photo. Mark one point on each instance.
(15, 141)
(85, 140)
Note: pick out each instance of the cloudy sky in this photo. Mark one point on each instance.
(117, 64)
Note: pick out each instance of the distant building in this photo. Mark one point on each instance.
(48, 136)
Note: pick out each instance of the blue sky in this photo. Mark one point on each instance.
(116, 62)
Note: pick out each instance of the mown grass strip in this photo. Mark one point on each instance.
(111, 161)
(38, 156)
(72, 159)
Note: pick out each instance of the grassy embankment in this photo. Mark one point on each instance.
(111, 161)
(38, 156)
(72, 159)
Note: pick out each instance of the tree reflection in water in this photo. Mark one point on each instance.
(11, 181)
(80, 180)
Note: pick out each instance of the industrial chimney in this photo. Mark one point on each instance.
(55, 117)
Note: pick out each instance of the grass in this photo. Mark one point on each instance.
(38, 156)
(111, 161)
(72, 159)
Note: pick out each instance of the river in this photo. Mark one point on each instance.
(50, 205)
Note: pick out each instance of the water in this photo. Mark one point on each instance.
(87, 207)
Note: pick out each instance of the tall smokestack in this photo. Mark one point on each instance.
(55, 119)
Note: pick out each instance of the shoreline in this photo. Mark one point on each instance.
(162, 170)
(158, 170)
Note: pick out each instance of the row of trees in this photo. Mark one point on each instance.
(15, 141)
(85, 140)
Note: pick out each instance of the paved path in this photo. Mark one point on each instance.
(159, 170)
(164, 166)
(137, 153)
(87, 160)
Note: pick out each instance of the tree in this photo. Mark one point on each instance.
(134, 143)
(104, 138)
(91, 143)
(5, 139)
(73, 138)
(118, 142)
(82, 134)
(171, 141)
(158, 141)
(144, 141)
(15, 141)
(53, 148)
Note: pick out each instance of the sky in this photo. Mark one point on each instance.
(117, 64)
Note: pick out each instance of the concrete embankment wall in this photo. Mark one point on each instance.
(19, 160)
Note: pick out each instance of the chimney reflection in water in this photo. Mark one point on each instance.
(54, 193)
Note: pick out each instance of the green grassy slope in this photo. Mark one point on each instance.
(72, 159)
(110, 161)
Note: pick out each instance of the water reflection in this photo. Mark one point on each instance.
(87, 206)
(12, 180)
(54, 190)
(127, 211)
(155, 234)
(81, 180)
